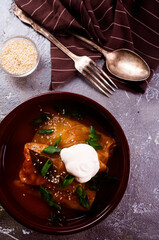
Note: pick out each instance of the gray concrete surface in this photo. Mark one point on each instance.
(137, 215)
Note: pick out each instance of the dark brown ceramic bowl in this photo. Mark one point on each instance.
(15, 131)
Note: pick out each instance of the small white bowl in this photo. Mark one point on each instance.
(12, 52)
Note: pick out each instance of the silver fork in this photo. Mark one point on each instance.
(83, 64)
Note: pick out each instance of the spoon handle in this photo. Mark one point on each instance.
(101, 50)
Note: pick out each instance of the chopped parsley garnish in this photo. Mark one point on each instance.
(45, 131)
(53, 148)
(67, 181)
(57, 142)
(46, 167)
(43, 118)
(53, 217)
(54, 207)
(99, 180)
(49, 198)
(94, 183)
(65, 111)
(93, 139)
(83, 198)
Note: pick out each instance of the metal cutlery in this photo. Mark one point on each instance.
(83, 64)
(122, 63)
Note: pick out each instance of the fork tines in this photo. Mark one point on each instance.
(99, 78)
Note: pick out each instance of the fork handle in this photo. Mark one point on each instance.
(24, 18)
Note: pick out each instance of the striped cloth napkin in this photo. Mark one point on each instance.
(112, 24)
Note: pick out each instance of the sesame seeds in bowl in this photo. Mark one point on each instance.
(19, 56)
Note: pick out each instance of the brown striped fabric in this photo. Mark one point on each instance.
(112, 24)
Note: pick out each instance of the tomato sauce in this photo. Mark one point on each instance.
(29, 197)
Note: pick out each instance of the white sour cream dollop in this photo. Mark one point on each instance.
(81, 160)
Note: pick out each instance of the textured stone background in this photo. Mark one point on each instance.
(137, 215)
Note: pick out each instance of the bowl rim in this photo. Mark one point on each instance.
(4, 43)
(95, 219)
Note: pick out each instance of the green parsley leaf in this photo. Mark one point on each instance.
(46, 167)
(57, 142)
(53, 148)
(83, 198)
(94, 144)
(67, 181)
(37, 122)
(65, 111)
(62, 110)
(43, 118)
(93, 134)
(93, 139)
(53, 217)
(45, 131)
(100, 180)
(93, 183)
(49, 198)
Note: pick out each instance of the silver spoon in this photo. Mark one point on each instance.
(123, 63)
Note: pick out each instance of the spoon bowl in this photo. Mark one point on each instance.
(126, 64)
(123, 63)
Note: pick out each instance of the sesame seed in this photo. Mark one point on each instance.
(50, 123)
(18, 57)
